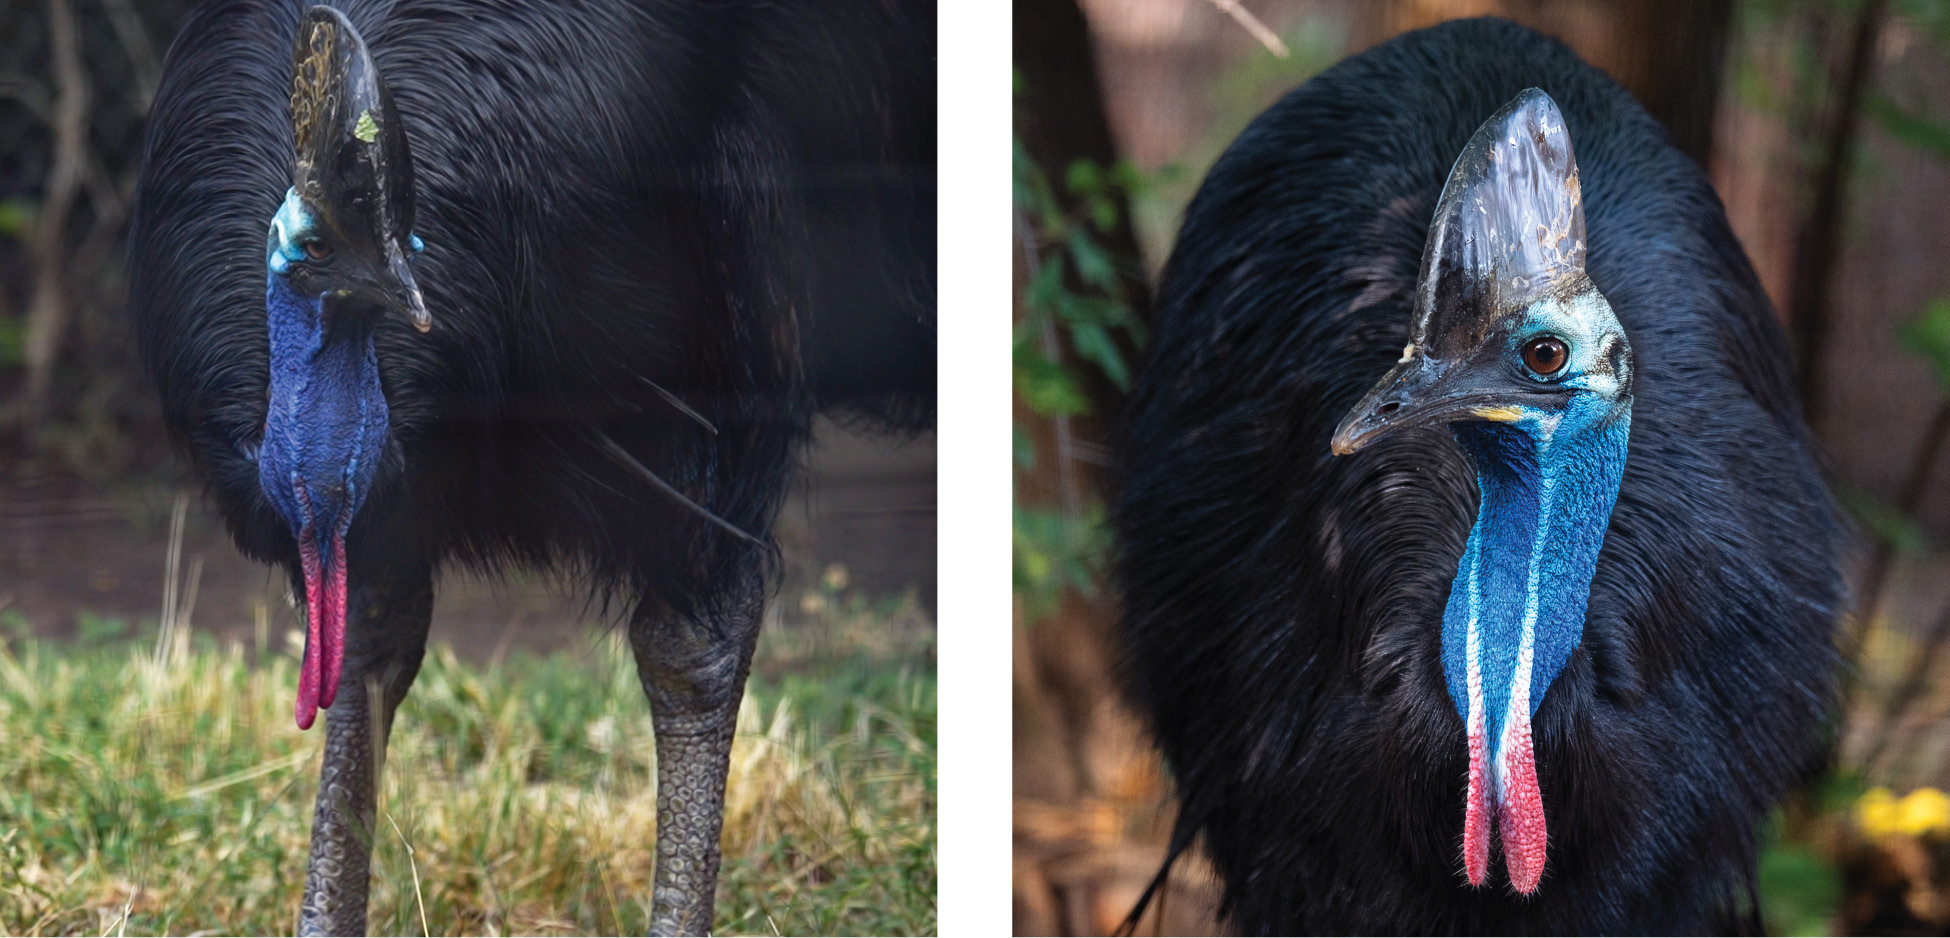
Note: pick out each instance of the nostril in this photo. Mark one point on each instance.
(1389, 408)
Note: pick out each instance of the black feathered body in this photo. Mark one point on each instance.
(1283, 607)
(727, 203)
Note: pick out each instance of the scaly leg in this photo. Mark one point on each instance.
(386, 636)
(694, 674)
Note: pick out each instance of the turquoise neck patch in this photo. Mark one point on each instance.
(1517, 606)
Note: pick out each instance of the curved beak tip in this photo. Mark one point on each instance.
(410, 300)
(1356, 431)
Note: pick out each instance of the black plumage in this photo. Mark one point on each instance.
(660, 236)
(1284, 607)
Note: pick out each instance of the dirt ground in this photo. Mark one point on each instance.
(74, 557)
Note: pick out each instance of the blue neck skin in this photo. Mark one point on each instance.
(1548, 484)
(326, 429)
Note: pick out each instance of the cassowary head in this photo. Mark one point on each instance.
(337, 261)
(1513, 348)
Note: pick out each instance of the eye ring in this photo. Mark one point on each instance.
(316, 249)
(1545, 355)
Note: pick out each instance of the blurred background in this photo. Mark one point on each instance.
(1825, 128)
(106, 540)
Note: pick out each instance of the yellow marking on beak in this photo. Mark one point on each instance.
(1505, 414)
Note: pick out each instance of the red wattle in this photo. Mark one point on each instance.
(333, 631)
(1478, 816)
(1522, 813)
(309, 672)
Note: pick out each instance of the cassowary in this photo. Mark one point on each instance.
(479, 282)
(1477, 573)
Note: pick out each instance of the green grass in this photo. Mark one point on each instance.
(148, 797)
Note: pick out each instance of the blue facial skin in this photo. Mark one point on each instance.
(326, 429)
(1549, 479)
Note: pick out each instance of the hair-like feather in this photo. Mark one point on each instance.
(666, 230)
(1283, 608)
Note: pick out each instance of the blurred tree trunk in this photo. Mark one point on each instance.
(1076, 747)
(49, 312)
(1671, 54)
(1818, 238)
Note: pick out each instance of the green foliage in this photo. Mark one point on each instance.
(1055, 552)
(1898, 531)
(13, 341)
(1077, 293)
(1931, 18)
(14, 625)
(1928, 337)
(1078, 320)
(17, 217)
(1800, 886)
(1800, 890)
(1909, 128)
(92, 629)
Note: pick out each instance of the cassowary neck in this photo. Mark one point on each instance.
(1516, 609)
(323, 439)
(328, 414)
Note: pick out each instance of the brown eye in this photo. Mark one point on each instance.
(1545, 354)
(317, 250)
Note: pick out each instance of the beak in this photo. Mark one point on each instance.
(1421, 391)
(406, 298)
(384, 282)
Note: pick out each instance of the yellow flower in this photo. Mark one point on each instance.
(1925, 811)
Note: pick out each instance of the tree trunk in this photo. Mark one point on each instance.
(1671, 54)
(47, 317)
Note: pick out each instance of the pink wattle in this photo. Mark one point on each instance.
(309, 672)
(1478, 814)
(334, 630)
(1522, 812)
(318, 676)
(1516, 811)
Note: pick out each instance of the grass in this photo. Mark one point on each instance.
(160, 787)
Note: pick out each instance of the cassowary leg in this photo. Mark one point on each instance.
(694, 674)
(386, 636)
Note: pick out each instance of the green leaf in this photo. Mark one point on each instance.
(1902, 534)
(1083, 309)
(1800, 892)
(17, 218)
(1083, 178)
(1047, 388)
(1103, 213)
(1094, 344)
(1055, 551)
(1914, 130)
(1928, 337)
(1046, 290)
(13, 341)
(1094, 266)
